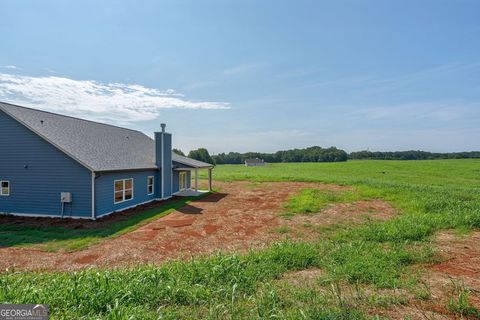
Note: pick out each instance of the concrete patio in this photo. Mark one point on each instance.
(191, 193)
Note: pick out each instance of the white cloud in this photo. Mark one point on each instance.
(115, 102)
(9, 67)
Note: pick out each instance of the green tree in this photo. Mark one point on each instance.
(201, 154)
(179, 152)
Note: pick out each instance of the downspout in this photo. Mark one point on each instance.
(93, 195)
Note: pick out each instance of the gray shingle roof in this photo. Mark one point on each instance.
(189, 161)
(98, 146)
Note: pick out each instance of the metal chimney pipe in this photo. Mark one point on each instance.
(163, 125)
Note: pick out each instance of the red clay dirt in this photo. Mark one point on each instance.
(460, 267)
(241, 216)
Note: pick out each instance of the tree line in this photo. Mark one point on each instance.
(311, 154)
(411, 155)
(319, 154)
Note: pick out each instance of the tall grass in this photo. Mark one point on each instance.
(151, 291)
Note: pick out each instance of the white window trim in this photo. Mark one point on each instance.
(1, 189)
(153, 185)
(123, 190)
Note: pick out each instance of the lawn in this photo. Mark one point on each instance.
(360, 267)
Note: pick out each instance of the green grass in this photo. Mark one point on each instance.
(282, 229)
(458, 173)
(203, 288)
(458, 302)
(64, 239)
(429, 195)
(310, 201)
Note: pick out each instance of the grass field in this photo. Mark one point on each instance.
(358, 264)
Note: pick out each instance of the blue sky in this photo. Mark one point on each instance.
(254, 75)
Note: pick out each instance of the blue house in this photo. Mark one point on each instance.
(53, 165)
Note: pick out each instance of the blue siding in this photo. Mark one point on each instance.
(36, 189)
(104, 190)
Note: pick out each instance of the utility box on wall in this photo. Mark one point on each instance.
(65, 197)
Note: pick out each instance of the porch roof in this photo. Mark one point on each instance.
(188, 163)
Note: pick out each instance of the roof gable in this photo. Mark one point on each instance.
(97, 146)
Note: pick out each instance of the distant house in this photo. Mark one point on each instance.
(254, 162)
(53, 165)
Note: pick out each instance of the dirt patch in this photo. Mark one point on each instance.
(241, 216)
(461, 255)
(458, 270)
(210, 228)
(303, 277)
(89, 258)
(402, 312)
(354, 212)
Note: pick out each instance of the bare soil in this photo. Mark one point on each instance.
(458, 269)
(241, 216)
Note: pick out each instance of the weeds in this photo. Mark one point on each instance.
(282, 229)
(310, 201)
(458, 301)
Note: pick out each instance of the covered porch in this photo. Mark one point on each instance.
(188, 176)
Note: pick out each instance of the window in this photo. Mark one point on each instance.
(4, 188)
(150, 185)
(123, 190)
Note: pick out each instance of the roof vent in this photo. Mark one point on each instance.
(163, 125)
(41, 121)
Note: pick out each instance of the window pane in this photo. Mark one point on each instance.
(118, 185)
(150, 180)
(150, 189)
(118, 196)
(4, 184)
(5, 191)
(128, 184)
(128, 194)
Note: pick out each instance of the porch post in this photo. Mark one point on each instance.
(209, 179)
(196, 179)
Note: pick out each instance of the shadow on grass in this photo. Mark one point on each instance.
(60, 238)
